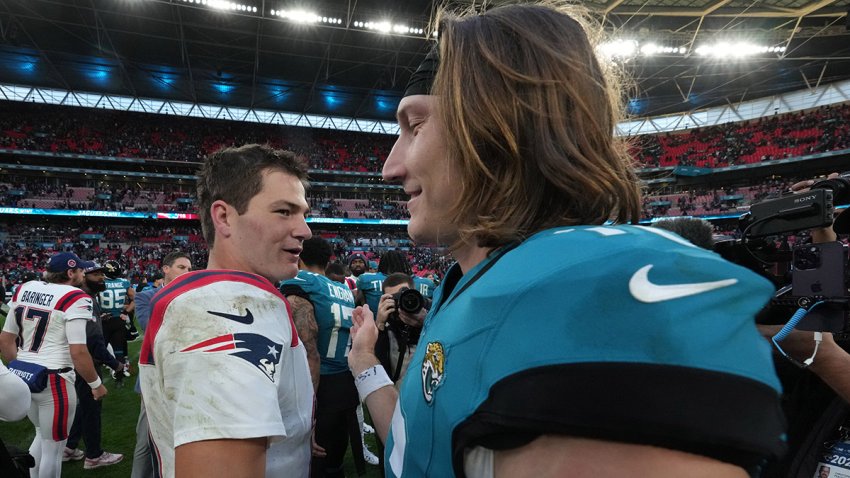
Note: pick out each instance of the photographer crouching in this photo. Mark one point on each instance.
(401, 312)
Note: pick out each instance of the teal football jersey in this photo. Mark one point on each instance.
(372, 287)
(618, 333)
(333, 304)
(112, 299)
(424, 286)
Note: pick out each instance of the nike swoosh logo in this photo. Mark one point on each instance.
(248, 318)
(644, 290)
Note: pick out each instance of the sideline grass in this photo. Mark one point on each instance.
(120, 413)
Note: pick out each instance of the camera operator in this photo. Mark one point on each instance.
(816, 404)
(399, 320)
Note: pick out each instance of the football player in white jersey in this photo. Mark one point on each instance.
(47, 327)
(225, 379)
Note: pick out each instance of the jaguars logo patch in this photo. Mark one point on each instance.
(433, 368)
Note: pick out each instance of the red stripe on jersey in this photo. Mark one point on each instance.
(70, 299)
(60, 407)
(213, 341)
(223, 347)
(196, 280)
(63, 385)
(351, 283)
(56, 410)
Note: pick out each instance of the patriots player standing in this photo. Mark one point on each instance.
(618, 350)
(225, 379)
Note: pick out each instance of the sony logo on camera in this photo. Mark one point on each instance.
(805, 199)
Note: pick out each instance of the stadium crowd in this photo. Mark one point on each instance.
(27, 247)
(130, 134)
(29, 192)
(768, 138)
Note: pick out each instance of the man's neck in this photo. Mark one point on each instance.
(469, 256)
(314, 269)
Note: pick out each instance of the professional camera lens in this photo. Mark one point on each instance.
(409, 300)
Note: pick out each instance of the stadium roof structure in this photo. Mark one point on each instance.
(339, 59)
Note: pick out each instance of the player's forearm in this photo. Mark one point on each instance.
(226, 457)
(304, 318)
(315, 363)
(381, 404)
(8, 347)
(831, 365)
(83, 363)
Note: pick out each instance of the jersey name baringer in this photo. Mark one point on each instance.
(36, 298)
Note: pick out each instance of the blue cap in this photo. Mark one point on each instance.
(67, 260)
(92, 266)
(373, 265)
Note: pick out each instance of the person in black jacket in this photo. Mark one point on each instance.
(87, 421)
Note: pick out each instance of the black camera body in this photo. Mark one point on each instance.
(410, 301)
(818, 271)
(794, 212)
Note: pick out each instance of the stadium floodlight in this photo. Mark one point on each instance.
(735, 50)
(387, 27)
(224, 5)
(650, 49)
(619, 48)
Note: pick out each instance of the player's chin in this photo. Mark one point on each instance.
(285, 272)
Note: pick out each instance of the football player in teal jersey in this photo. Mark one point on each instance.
(369, 285)
(321, 310)
(117, 305)
(557, 345)
(425, 286)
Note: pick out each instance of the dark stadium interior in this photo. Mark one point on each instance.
(193, 53)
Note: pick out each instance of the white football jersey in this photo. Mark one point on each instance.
(38, 314)
(221, 360)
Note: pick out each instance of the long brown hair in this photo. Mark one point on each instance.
(530, 114)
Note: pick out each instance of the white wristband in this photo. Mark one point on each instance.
(371, 379)
(93, 385)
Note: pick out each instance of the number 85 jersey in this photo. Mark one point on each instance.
(333, 304)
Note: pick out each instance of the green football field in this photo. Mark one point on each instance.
(120, 413)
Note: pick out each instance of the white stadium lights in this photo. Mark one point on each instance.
(386, 26)
(304, 16)
(224, 5)
(649, 49)
(625, 49)
(619, 48)
(736, 50)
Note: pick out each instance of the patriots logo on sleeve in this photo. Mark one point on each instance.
(253, 348)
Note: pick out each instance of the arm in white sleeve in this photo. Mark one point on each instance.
(75, 330)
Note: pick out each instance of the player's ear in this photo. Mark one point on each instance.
(222, 215)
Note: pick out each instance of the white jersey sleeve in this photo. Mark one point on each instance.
(14, 396)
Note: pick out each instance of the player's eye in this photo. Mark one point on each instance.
(283, 212)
